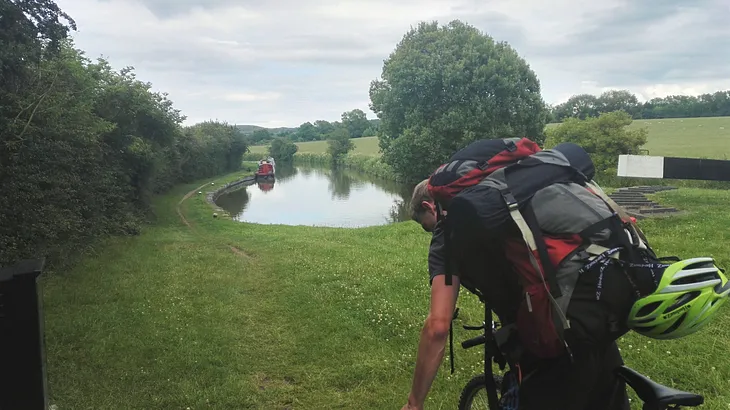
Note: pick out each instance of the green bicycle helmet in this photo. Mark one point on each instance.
(689, 293)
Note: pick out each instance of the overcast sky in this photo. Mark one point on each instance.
(283, 62)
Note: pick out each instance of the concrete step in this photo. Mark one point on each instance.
(620, 200)
(631, 194)
(638, 204)
(657, 210)
(645, 190)
(649, 187)
(629, 198)
(636, 215)
(641, 191)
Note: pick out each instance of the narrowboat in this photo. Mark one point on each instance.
(267, 168)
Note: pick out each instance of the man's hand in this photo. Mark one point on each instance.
(433, 339)
(409, 407)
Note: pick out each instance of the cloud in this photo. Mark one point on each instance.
(249, 97)
(284, 62)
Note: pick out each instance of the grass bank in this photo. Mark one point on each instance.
(217, 314)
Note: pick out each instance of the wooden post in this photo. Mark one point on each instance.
(23, 383)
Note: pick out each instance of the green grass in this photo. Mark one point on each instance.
(308, 318)
(688, 137)
(679, 137)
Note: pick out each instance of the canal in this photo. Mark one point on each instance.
(319, 196)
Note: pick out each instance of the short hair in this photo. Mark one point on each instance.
(420, 194)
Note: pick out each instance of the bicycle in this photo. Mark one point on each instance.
(653, 395)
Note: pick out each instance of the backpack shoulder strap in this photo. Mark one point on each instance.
(448, 250)
(637, 233)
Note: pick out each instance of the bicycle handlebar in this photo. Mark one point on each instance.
(479, 340)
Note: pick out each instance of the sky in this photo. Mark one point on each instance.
(279, 63)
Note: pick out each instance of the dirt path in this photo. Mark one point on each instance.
(187, 196)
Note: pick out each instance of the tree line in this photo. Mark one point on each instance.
(584, 106)
(84, 147)
(355, 122)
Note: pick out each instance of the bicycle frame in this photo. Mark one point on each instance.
(492, 352)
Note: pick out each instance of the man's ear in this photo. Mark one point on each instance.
(428, 205)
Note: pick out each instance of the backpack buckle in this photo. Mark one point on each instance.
(511, 146)
(509, 199)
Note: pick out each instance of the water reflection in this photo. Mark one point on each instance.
(307, 195)
(341, 183)
(266, 185)
(234, 202)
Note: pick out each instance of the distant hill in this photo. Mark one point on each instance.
(249, 129)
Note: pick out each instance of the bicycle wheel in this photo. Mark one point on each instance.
(474, 394)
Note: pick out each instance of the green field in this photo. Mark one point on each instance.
(363, 146)
(683, 137)
(688, 137)
(219, 314)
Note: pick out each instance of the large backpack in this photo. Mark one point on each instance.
(552, 223)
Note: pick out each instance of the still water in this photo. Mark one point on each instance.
(314, 196)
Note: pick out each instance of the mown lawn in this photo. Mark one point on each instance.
(679, 137)
(228, 315)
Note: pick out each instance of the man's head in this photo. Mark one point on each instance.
(423, 208)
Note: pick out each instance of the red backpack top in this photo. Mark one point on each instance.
(474, 162)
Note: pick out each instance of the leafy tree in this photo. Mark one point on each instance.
(356, 122)
(323, 127)
(578, 106)
(370, 132)
(261, 135)
(443, 87)
(604, 137)
(282, 150)
(307, 132)
(339, 144)
(615, 100)
(288, 134)
(216, 148)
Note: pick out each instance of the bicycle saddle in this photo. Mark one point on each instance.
(653, 393)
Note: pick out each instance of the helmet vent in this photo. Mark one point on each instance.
(702, 264)
(648, 309)
(686, 298)
(699, 278)
(676, 324)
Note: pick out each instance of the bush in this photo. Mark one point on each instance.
(339, 144)
(604, 137)
(282, 150)
(83, 147)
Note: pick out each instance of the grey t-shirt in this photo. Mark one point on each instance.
(479, 267)
(436, 257)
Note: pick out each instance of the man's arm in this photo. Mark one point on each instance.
(433, 338)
